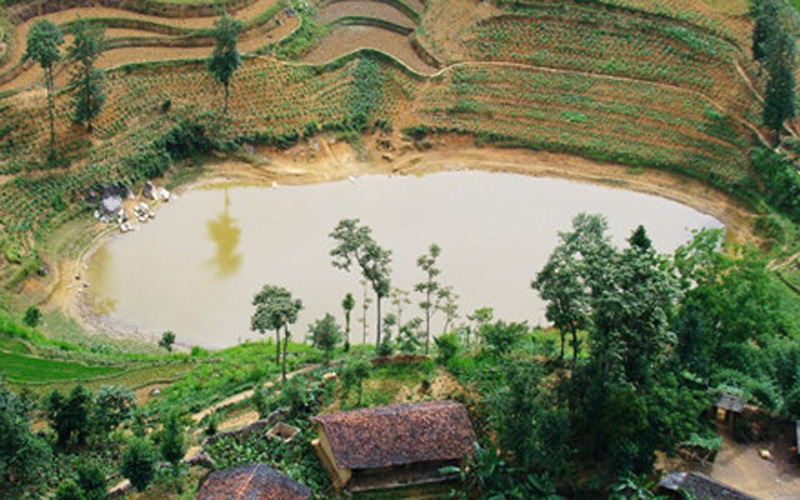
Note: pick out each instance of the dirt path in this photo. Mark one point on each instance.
(246, 395)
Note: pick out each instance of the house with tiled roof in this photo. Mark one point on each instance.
(393, 446)
(251, 482)
(702, 487)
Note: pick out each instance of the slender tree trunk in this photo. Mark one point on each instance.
(227, 95)
(285, 344)
(428, 321)
(347, 328)
(277, 347)
(563, 335)
(48, 76)
(89, 104)
(378, 336)
(574, 346)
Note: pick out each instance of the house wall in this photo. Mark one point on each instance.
(339, 476)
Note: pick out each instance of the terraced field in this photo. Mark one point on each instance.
(639, 82)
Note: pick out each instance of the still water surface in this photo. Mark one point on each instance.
(195, 268)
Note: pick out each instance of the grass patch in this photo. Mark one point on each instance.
(29, 369)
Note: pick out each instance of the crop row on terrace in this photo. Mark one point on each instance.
(689, 12)
(616, 44)
(627, 122)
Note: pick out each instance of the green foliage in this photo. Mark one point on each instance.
(32, 317)
(87, 81)
(171, 443)
(35, 369)
(779, 174)
(167, 340)
(353, 375)
(448, 345)
(306, 36)
(367, 93)
(138, 464)
(275, 309)
(775, 38)
(226, 58)
(69, 490)
(325, 335)
(355, 244)
(113, 406)
(500, 336)
(44, 38)
(296, 459)
(22, 454)
(92, 482)
(69, 416)
(348, 303)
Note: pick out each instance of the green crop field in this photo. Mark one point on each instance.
(21, 368)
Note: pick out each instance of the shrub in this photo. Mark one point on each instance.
(447, 345)
(138, 464)
(32, 317)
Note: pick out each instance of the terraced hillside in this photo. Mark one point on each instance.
(643, 83)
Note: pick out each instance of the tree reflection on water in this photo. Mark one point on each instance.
(225, 232)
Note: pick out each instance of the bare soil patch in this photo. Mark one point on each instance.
(337, 10)
(351, 38)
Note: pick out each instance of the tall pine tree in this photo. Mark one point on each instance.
(87, 81)
(43, 41)
(226, 58)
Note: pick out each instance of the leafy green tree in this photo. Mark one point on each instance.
(729, 301)
(167, 340)
(429, 287)
(780, 96)
(113, 406)
(559, 283)
(766, 14)
(447, 345)
(138, 464)
(447, 304)
(172, 444)
(356, 244)
(69, 416)
(226, 58)
(478, 318)
(87, 80)
(69, 490)
(501, 336)
(325, 334)
(353, 376)
(43, 41)
(22, 454)
(275, 310)
(32, 317)
(348, 303)
(408, 336)
(92, 482)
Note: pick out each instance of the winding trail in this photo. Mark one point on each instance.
(247, 394)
